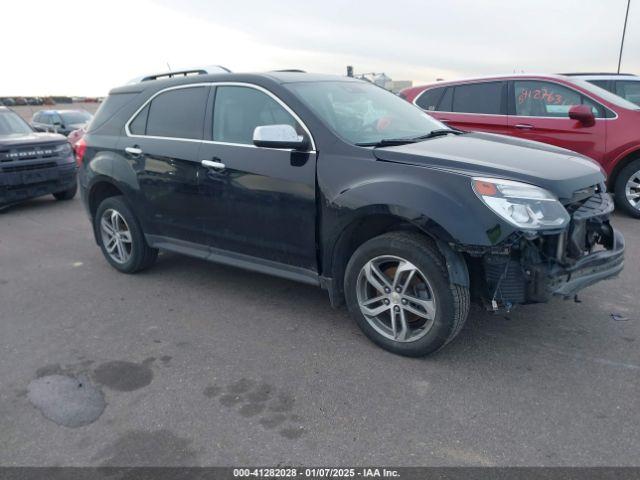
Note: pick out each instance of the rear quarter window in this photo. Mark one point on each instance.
(109, 107)
(429, 99)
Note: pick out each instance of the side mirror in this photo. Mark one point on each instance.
(583, 114)
(278, 136)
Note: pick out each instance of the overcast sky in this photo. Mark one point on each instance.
(86, 47)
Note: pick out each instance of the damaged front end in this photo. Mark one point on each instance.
(532, 267)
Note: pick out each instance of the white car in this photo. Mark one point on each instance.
(625, 85)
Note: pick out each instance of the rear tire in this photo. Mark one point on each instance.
(626, 188)
(67, 194)
(413, 320)
(121, 237)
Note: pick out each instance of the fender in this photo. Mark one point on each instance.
(442, 204)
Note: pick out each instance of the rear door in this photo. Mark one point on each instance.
(162, 146)
(539, 110)
(260, 201)
(479, 106)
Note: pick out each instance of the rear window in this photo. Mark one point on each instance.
(478, 98)
(178, 113)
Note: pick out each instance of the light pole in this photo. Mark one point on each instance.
(624, 31)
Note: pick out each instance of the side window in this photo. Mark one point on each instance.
(430, 98)
(139, 124)
(629, 90)
(544, 99)
(177, 113)
(478, 98)
(239, 110)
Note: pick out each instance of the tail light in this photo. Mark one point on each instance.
(80, 149)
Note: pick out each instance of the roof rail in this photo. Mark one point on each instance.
(289, 70)
(183, 73)
(578, 74)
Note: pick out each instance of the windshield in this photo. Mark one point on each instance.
(72, 117)
(12, 124)
(362, 113)
(605, 94)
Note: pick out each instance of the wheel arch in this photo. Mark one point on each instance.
(625, 160)
(370, 222)
(101, 188)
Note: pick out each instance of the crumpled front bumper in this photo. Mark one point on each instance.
(561, 264)
(588, 270)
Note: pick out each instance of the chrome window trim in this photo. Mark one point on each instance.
(214, 142)
(597, 102)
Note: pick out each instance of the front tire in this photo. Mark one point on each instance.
(627, 189)
(398, 291)
(121, 238)
(67, 194)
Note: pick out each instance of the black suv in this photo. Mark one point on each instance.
(33, 164)
(338, 183)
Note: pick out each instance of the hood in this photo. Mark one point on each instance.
(35, 138)
(560, 171)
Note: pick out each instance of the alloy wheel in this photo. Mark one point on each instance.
(116, 236)
(396, 298)
(632, 190)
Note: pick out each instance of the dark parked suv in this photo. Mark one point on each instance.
(33, 164)
(337, 183)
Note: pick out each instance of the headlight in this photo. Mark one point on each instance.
(523, 205)
(64, 149)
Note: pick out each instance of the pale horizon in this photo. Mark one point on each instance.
(104, 45)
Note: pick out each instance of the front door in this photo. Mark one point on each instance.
(162, 146)
(259, 202)
(540, 112)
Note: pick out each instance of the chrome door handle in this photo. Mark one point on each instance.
(135, 151)
(213, 164)
(524, 126)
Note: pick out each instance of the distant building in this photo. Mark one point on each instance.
(381, 79)
(396, 85)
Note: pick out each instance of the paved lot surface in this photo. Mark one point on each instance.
(193, 363)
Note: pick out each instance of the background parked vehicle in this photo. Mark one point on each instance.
(33, 164)
(564, 111)
(60, 121)
(624, 85)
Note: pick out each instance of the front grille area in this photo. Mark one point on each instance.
(29, 153)
(26, 168)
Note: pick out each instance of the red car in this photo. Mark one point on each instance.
(564, 111)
